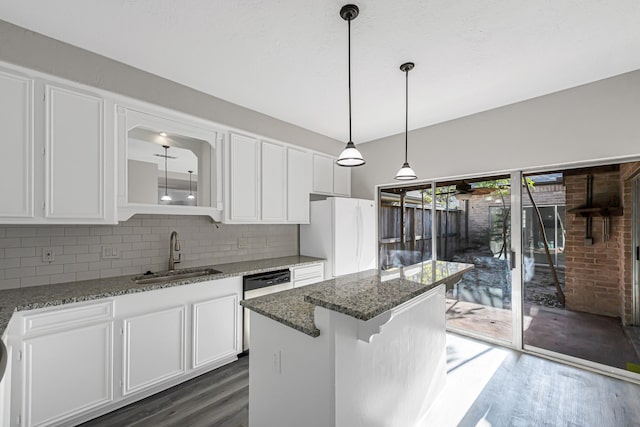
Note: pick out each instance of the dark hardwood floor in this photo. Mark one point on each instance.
(520, 390)
(218, 398)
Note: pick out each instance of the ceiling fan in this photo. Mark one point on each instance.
(464, 191)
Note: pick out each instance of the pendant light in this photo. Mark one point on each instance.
(350, 156)
(190, 196)
(166, 197)
(406, 173)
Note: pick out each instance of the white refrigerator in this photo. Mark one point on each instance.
(342, 231)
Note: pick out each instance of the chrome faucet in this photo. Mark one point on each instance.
(174, 246)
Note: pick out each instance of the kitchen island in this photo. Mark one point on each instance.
(367, 349)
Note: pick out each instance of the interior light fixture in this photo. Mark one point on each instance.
(190, 196)
(166, 197)
(350, 156)
(163, 134)
(406, 173)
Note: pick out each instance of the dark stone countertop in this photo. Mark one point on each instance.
(34, 297)
(363, 295)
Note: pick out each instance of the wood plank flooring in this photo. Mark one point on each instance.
(486, 386)
(218, 398)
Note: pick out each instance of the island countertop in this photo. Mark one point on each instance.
(363, 295)
(34, 297)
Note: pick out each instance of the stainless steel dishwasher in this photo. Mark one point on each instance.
(261, 284)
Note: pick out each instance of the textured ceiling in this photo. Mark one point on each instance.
(288, 58)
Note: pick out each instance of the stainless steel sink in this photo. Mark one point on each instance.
(167, 276)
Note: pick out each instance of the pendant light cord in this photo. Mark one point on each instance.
(406, 117)
(349, 60)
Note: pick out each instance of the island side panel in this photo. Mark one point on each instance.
(290, 376)
(394, 379)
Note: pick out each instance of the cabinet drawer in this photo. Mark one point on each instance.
(65, 317)
(308, 272)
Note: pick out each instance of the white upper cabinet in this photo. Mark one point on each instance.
(58, 142)
(274, 182)
(16, 162)
(341, 180)
(299, 170)
(329, 178)
(75, 154)
(185, 178)
(244, 176)
(323, 174)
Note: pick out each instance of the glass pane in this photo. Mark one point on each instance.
(475, 228)
(404, 226)
(577, 260)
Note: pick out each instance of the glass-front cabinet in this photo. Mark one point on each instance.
(169, 165)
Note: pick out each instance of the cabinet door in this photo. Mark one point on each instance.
(16, 162)
(244, 176)
(215, 330)
(154, 349)
(322, 174)
(299, 166)
(75, 155)
(67, 373)
(341, 180)
(274, 182)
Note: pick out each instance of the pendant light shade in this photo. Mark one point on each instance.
(406, 173)
(166, 197)
(350, 156)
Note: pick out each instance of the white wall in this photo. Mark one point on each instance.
(597, 121)
(36, 51)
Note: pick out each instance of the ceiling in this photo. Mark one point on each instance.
(288, 58)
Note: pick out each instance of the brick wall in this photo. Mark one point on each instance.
(142, 243)
(593, 272)
(544, 195)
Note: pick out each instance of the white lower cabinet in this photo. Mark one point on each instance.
(79, 361)
(154, 347)
(67, 373)
(307, 274)
(215, 330)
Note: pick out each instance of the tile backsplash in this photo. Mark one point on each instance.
(82, 252)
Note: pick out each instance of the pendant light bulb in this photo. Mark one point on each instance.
(350, 156)
(190, 196)
(166, 197)
(406, 173)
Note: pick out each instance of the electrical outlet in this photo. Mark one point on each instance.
(243, 243)
(110, 252)
(48, 255)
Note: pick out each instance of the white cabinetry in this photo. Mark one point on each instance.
(329, 178)
(299, 168)
(70, 368)
(307, 274)
(16, 162)
(215, 330)
(274, 182)
(341, 180)
(154, 348)
(75, 154)
(322, 174)
(68, 363)
(244, 175)
(58, 162)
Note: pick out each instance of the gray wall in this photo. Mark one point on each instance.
(597, 121)
(36, 51)
(142, 243)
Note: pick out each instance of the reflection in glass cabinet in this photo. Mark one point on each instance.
(168, 169)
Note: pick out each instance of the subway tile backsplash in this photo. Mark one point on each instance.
(141, 243)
